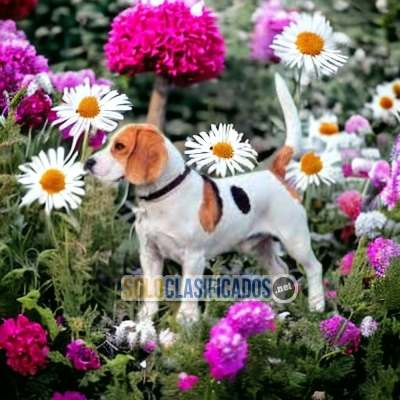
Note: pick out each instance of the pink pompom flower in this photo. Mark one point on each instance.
(270, 20)
(250, 317)
(350, 204)
(226, 352)
(380, 252)
(69, 396)
(340, 332)
(330, 294)
(380, 174)
(25, 343)
(346, 263)
(82, 357)
(33, 110)
(71, 79)
(357, 124)
(169, 39)
(186, 382)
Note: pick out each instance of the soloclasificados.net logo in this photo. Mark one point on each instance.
(279, 288)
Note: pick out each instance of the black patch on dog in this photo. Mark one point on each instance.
(216, 192)
(241, 199)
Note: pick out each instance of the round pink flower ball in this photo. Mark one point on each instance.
(350, 203)
(346, 263)
(357, 124)
(186, 382)
(170, 39)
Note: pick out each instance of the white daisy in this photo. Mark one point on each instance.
(384, 104)
(52, 181)
(90, 107)
(309, 42)
(221, 150)
(314, 169)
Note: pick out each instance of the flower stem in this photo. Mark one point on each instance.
(84, 145)
(158, 102)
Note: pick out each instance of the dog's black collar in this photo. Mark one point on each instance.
(166, 189)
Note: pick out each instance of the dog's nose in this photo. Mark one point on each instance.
(89, 164)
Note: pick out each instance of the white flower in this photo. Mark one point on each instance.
(384, 104)
(314, 169)
(368, 223)
(123, 330)
(90, 108)
(220, 150)
(2, 120)
(368, 326)
(167, 338)
(371, 153)
(361, 166)
(309, 43)
(381, 5)
(146, 331)
(52, 181)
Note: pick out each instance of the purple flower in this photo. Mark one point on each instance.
(271, 18)
(380, 252)
(395, 155)
(390, 194)
(357, 124)
(251, 317)
(340, 332)
(82, 357)
(33, 110)
(380, 174)
(330, 294)
(368, 326)
(9, 31)
(150, 346)
(71, 79)
(186, 382)
(68, 396)
(226, 352)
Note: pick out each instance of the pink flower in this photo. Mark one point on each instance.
(340, 332)
(350, 204)
(186, 382)
(380, 252)
(357, 124)
(331, 294)
(347, 262)
(33, 110)
(325, 281)
(250, 317)
(25, 343)
(16, 9)
(395, 154)
(68, 396)
(167, 39)
(82, 357)
(271, 19)
(226, 352)
(150, 346)
(390, 194)
(70, 79)
(347, 170)
(380, 174)
(361, 167)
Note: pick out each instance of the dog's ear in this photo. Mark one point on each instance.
(147, 156)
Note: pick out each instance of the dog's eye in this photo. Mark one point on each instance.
(119, 146)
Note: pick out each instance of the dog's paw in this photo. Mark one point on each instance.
(148, 311)
(316, 303)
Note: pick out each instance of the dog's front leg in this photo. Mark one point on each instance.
(152, 265)
(193, 265)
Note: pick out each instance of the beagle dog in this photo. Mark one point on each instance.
(190, 218)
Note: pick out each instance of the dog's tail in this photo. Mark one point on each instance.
(293, 129)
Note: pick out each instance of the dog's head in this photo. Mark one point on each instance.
(137, 152)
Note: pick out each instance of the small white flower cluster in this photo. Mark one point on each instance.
(40, 81)
(369, 223)
(368, 326)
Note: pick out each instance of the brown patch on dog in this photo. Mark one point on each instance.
(141, 150)
(210, 211)
(281, 161)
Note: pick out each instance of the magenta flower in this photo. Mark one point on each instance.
(186, 382)
(368, 326)
(330, 294)
(82, 357)
(350, 204)
(9, 31)
(16, 9)
(150, 346)
(71, 79)
(249, 317)
(340, 332)
(271, 18)
(347, 170)
(226, 352)
(357, 124)
(380, 252)
(169, 39)
(395, 154)
(25, 343)
(380, 174)
(346, 263)
(390, 194)
(33, 110)
(68, 396)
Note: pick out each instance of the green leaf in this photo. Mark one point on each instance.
(57, 357)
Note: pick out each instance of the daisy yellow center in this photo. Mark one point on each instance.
(88, 107)
(386, 103)
(222, 150)
(53, 181)
(328, 129)
(311, 164)
(309, 43)
(396, 89)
